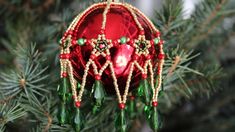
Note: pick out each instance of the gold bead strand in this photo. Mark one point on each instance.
(115, 82)
(84, 80)
(134, 16)
(151, 76)
(128, 83)
(105, 14)
(72, 80)
(160, 66)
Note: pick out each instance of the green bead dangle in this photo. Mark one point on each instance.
(140, 90)
(153, 117)
(120, 120)
(62, 115)
(77, 121)
(131, 109)
(147, 92)
(63, 93)
(99, 95)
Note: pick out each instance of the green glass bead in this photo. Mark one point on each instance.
(81, 41)
(99, 92)
(140, 90)
(120, 122)
(95, 109)
(147, 92)
(156, 41)
(123, 40)
(131, 108)
(78, 85)
(63, 89)
(77, 121)
(154, 120)
(62, 115)
(147, 111)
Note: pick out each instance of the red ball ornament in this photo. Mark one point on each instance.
(111, 46)
(120, 23)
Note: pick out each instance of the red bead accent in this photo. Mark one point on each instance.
(70, 32)
(158, 71)
(88, 42)
(115, 43)
(74, 42)
(148, 57)
(132, 97)
(158, 34)
(73, 97)
(64, 56)
(108, 57)
(161, 42)
(135, 57)
(102, 31)
(142, 32)
(77, 104)
(152, 42)
(155, 104)
(92, 57)
(121, 106)
(131, 42)
(64, 74)
(144, 76)
(97, 77)
(161, 56)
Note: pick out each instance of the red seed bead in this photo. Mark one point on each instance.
(148, 57)
(70, 32)
(152, 42)
(131, 42)
(132, 97)
(115, 43)
(64, 56)
(77, 104)
(121, 106)
(73, 97)
(158, 71)
(142, 32)
(74, 42)
(154, 103)
(144, 76)
(102, 31)
(97, 77)
(158, 34)
(161, 56)
(92, 57)
(161, 42)
(108, 57)
(88, 41)
(64, 74)
(135, 57)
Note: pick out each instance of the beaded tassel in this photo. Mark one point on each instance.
(99, 95)
(120, 121)
(63, 92)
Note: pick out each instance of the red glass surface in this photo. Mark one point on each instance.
(119, 23)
